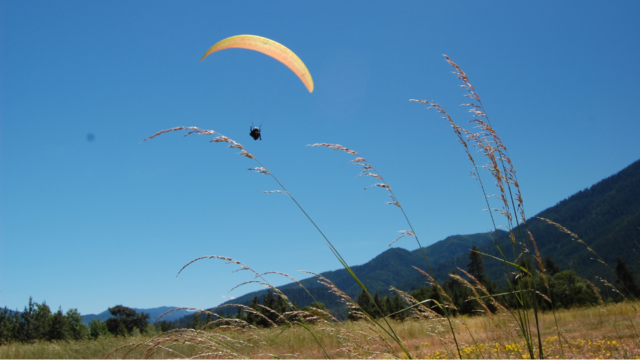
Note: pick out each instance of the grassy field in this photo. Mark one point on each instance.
(595, 332)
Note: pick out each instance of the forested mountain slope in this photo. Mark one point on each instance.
(387, 269)
(605, 216)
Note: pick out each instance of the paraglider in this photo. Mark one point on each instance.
(267, 47)
(255, 132)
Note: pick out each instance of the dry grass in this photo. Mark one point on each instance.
(585, 333)
(86, 349)
(595, 332)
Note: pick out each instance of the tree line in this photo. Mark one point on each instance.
(38, 322)
(268, 312)
(559, 289)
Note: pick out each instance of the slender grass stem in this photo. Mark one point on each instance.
(390, 330)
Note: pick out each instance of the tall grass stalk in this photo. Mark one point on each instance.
(369, 170)
(262, 169)
(500, 167)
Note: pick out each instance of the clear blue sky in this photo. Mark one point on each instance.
(91, 224)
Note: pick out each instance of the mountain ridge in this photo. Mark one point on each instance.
(606, 216)
(378, 274)
(154, 313)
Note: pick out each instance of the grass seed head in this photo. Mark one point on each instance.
(260, 170)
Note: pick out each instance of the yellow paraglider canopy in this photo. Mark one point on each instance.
(267, 47)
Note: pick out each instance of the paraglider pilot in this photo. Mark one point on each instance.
(255, 132)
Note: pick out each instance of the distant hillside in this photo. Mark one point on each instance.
(153, 314)
(395, 265)
(389, 268)
(606, 216)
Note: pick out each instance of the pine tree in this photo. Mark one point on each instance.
(476, 270)
(269, 301)
(254, 319)
(365, 303)
(99, 328)
(208, 319)
(59, 327)
(41, 321)
(376, 309)
(626, 279)
(474, 267)
(195, 321)
(396, 308)
(459, 294)
(387, 307)
(121, 330)
(281, 305)
(7, 326)
(422, 294)
(25, 325)
(425, 293)
(550, 265)
(240, 315)
(128, 317)
(78, 330)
